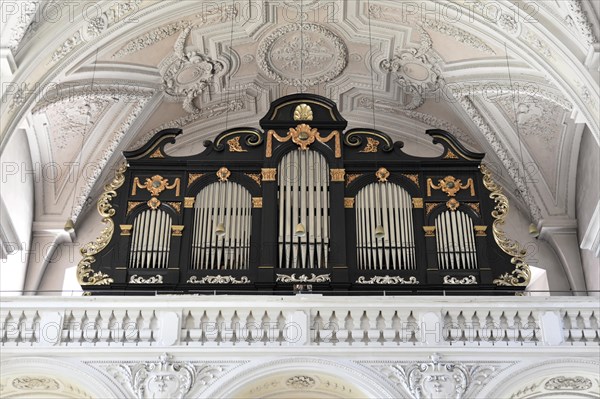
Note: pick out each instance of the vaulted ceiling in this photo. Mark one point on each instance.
(90, 79)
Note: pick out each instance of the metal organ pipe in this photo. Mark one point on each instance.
(151, 240)
(228, 203)
(455, 241)
(303, 178)
(390, 207)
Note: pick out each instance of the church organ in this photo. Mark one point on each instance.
(302, 201)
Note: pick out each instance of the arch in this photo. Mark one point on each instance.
(211, 177)
(303, 377)
(67, 379)
(285, 148)
(563, 378)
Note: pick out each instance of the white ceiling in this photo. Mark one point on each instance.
(91, 79)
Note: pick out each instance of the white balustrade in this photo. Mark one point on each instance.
(302, 320)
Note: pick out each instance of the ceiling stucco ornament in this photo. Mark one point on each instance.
(35, 383)
(502, 153)
(538, 119)
(300, 382)
(100, 162)
(321, 54)
(538, 44)
(438, 379)
(396, 15)
(209, 16)
(72, 121)
(568, 383)
(518, 89)
(586, 29)
(117, 12)
(306, 5)
(26, 11)
(187, 73)
(39, 386)
(417, 70)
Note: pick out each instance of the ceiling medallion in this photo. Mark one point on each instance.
(323, 55)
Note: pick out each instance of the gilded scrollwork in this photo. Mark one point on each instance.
(85, 274)
(132, 204)
(155, 185)
(371, 146)
(303, 135)
(414, 177)
(234, 145)
(255, 176)
(521, 275)
(450, 185)
(350, 177)
(193, 177)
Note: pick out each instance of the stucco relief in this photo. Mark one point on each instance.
(166, 378)
(307, 49)
(187, 73)
(438, 379)
(417, 70)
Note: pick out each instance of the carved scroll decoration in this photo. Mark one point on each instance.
(387, 280)
(218, 279)
(460, 281)
(85, 274)
(313, 278)
(521, 275)
(135, 279)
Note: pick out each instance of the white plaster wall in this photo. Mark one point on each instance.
(16, 191)
(539, 253)
(587, 196)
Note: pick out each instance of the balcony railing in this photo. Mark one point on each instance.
(305, 320)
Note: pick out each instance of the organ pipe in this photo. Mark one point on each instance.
(151, 240)
(455, 241)
(231, 204)
(389, 205)
(303, 179)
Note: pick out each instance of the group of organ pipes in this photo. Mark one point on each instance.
(302, 201)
